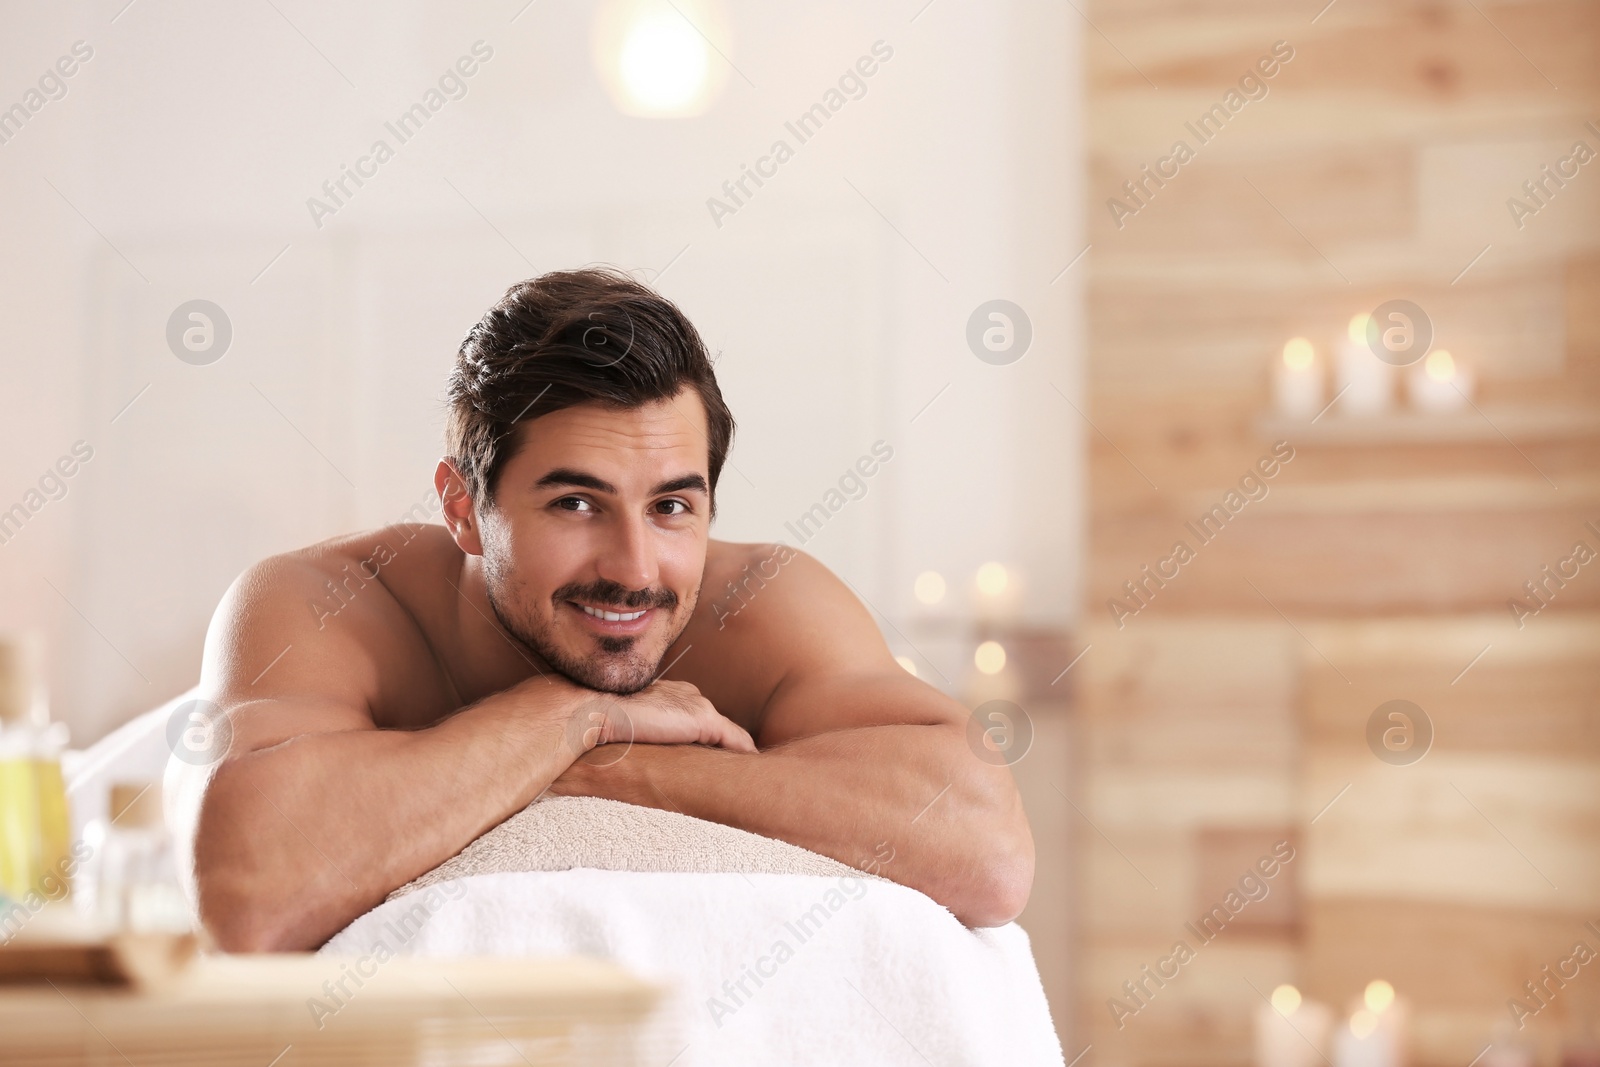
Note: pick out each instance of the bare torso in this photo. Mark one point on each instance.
(433, 649)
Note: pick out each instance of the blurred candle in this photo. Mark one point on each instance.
(1375, 1033)
(1297, 380)
(1363, 1043)
(1439, 383)
(1292, 1031)
(998, 593)
(1366, 383)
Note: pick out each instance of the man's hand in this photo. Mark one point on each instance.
(857, 758)
(662, 713)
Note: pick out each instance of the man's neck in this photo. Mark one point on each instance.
(490, 657)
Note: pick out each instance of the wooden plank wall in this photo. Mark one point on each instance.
(1230, 710)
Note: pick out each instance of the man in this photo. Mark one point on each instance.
(392, 695)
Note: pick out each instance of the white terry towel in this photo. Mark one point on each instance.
(560, 833)
(804, 962)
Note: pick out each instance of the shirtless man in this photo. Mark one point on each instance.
(392, 695)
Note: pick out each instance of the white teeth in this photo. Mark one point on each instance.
(611, 616)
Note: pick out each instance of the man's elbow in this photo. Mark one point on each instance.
(238, 919)
(998, 895)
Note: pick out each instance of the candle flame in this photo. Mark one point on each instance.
(1286, 999)
(1441, 366)
(1298, 353)
(992, 579)
(1357, 329)
(990, 657)
(1379, 995)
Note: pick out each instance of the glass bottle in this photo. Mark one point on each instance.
(134, 873)
(35, 824)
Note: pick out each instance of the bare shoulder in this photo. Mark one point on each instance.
(792, 605)
(314, 639)
(771, 615)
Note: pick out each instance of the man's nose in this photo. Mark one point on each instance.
(628, 555)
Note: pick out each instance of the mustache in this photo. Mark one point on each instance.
(608, 594)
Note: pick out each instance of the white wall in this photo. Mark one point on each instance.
(182, 157)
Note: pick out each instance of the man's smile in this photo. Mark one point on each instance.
(610, 622)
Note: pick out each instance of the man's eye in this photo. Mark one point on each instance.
(573, 503)
(674, 504)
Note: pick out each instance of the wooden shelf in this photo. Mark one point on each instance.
(1414, 427)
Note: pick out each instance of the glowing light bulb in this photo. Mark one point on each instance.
(1298, 354)
(990, 657)
(929, 587)
(1363, 1023)
(910, 667)
(663, 62)
(1285, 999)
(655, 57)
(1441, 366)
(1357, 330)
(1378, 996)
(992, 579)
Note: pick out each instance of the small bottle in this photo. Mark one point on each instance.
(35, 825)
(134, 872)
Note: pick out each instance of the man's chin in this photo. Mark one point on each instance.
(617, 672)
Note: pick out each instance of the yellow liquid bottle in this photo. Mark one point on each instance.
(54, 874)
(20, 866)
(35, 832)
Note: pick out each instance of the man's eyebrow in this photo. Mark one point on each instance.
(680, 483)
(567, 476)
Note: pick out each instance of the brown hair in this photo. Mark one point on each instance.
(567, 338)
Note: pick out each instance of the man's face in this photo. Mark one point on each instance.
(601, 512)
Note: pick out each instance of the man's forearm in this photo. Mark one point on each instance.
(954, 823)
(295, 841)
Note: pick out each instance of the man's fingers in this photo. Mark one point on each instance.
(735, 737)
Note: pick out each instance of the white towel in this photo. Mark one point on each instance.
(559, 833)
(764, 968)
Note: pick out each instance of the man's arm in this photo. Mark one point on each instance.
(315, 814)
(859, 760)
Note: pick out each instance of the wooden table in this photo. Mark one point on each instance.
(261, 1010)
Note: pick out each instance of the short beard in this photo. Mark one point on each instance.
(620, 669)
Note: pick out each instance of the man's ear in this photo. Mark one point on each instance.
(460, 514)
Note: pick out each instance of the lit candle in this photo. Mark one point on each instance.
(998, 592)
(1366, 383)
(1375, 1033)
(1439, 383)
(1297, 380)
(1292, 1031)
